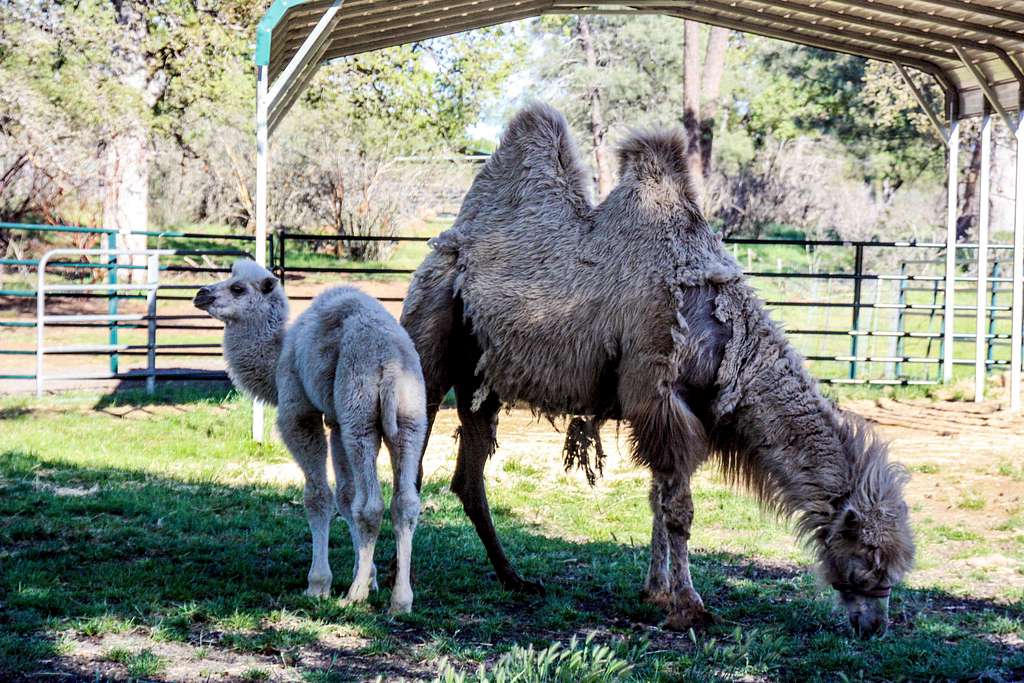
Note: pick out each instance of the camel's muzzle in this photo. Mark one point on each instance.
(204, 299)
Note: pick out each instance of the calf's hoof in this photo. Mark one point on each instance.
(318, 591)
(319, 586)
(400, 607)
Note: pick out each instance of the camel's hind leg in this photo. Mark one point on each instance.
(477, 442)
(358, 410)
(302, 431)
(345, 492)
(432, 318)
(362, 444)
(405, 505)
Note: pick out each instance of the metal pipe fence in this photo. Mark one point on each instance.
(894, 292)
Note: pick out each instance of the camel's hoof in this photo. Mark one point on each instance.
(400, 608)
(349, 600)
(696, 618)
(318, 592)
(658, 598)
(519, 585)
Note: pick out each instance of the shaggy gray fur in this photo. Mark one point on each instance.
(634, 310)
(347, 363)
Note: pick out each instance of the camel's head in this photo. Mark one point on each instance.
(251, 293)
(867, 547)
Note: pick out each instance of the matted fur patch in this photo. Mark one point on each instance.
(582, 434)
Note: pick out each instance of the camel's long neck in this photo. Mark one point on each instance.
(784, 438)
(252, 349)
(796, 453)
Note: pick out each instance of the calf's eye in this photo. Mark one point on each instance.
(237, 290)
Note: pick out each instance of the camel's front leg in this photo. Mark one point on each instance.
(657, 585)
(302, 430)
(685, 606)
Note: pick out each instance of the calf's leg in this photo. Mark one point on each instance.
(345, 492)
(362, 444)
(405, 506)
(302, 431)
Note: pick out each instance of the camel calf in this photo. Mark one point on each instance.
(347, 363)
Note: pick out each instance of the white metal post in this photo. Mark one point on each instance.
(262, 150)
(152, 279)
(980, 347)
(949, 316)
(1017, 312)
(40, 321)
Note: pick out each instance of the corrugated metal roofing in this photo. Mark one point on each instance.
(928, 35)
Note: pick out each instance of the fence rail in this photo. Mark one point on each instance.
(870, 313)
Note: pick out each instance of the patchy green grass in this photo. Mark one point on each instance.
(1011, 470)
(157, 543)
(971, 500)
(138, 664)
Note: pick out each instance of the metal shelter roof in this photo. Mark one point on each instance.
(968, 46)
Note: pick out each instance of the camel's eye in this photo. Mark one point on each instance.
(237, 289)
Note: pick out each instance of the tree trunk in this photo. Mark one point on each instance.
(691, 104)
(971, 204)
(711, 88)
(125, 204)
(598, 129)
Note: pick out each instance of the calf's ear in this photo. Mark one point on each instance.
(268, 284)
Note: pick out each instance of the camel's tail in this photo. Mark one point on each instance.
(391, 398)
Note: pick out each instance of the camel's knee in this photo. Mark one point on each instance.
(369, 515)
(344, 496)
(679, 521)
(318, 501)
(405, 509)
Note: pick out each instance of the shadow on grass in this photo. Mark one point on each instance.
(132, 392)
(105, 550)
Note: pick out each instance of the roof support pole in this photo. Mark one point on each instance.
(303, 65)
(262, 167)
(923, 103)
(981, 322)
(948, 318)
(1017, 310)
(308, 51)
(986, 87)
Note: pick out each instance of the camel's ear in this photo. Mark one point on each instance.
(851, 525)
(268, 284)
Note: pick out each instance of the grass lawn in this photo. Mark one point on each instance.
(153, 540)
